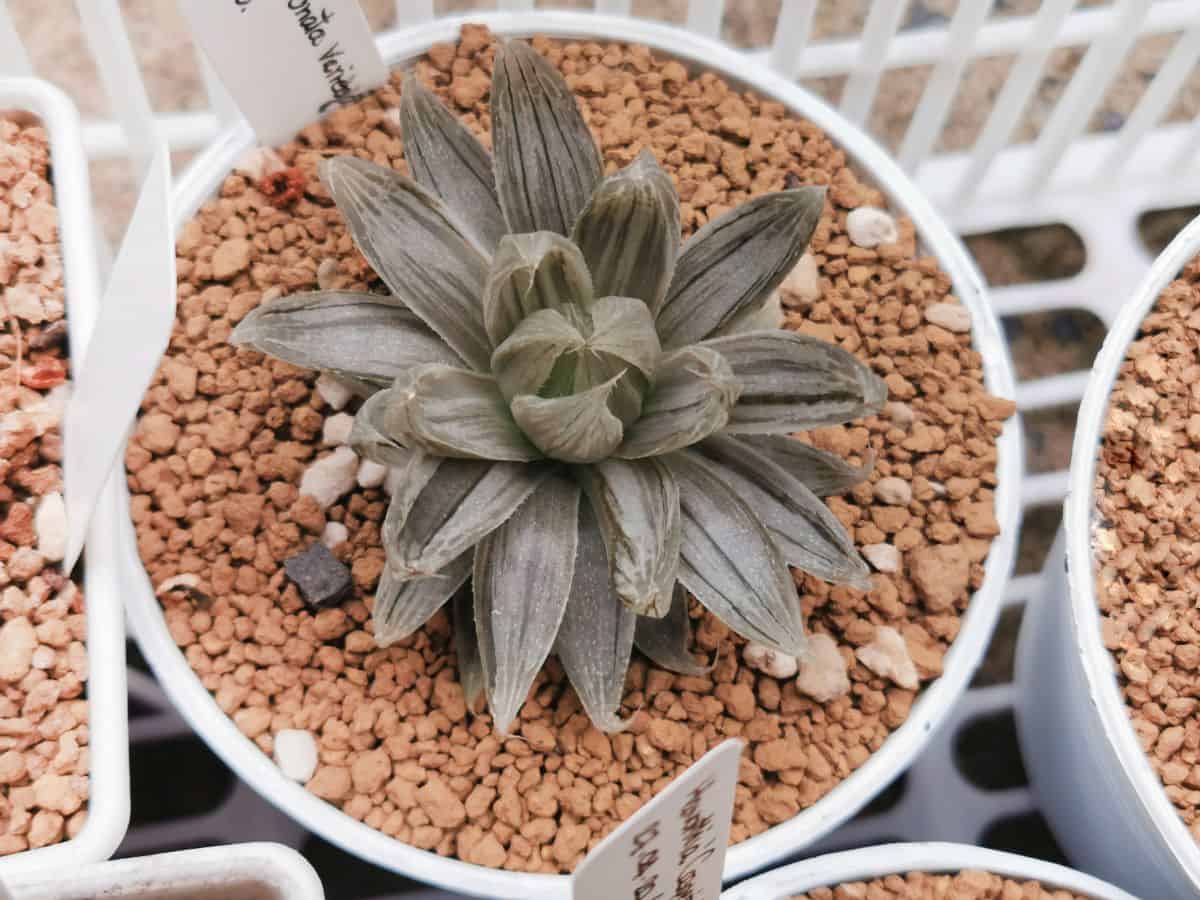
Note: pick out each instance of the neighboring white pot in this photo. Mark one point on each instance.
(200, 182)
(235, 872)
(108, 753)
(1098, 790)
(870, 863)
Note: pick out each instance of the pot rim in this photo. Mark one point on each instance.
(108, 757)
(180, 875)
(869, 863)
(1104, 693)
(198, 707)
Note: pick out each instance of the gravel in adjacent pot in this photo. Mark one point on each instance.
(227, 439)
(970, 884)
(1147, 538)
(43, 661)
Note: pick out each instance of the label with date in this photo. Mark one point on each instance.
(287, 63)
(673, 848)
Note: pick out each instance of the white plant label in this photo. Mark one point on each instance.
(674, 847)
(287, 63)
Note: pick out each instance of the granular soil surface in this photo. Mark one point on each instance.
(970, 884)
(226, 436)
(43, 659)
(1147, 543)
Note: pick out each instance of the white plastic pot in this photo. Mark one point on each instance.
(1098, 790)
(870, 863)
(108, 801)
(236, 872)
(199, 708)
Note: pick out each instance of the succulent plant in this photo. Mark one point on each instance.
(587, 421)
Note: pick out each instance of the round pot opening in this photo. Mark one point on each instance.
(199, 183)
(872, 863)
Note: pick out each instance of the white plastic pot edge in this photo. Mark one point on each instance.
(200, 182)
(279, 871)
(1104, 695)
(870, 863)
(108, 801)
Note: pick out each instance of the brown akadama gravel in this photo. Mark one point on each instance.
(43, 659)
(1147, 538)
(969, 884)
(226, 436)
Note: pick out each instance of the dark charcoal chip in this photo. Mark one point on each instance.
(322, 578)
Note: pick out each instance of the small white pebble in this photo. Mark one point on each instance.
(769, 661)
(887, 656)
(332, 391)
(327, 273)
(938, 488)
(802, 284)
(893, 491)
(335, 533)
(336, 430)
(371, 474)
(330, 477)
(951, 316)
(823, 673)
(296, 754)
(259, 162)
(186, 580)
(884, 557)
(900, 413)
(43, 658)
(870, 227)
(50, 523)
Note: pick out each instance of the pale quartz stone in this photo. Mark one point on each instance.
(330, 477)
(336, 430)
(887, 656)
(951, 316)
(884, 557)
(870, 227)
(823, 673)
(769, 661)
(335, 533)
(296, 754)
(50, 523)
(802, 284)
(332, 391)
(371, 474)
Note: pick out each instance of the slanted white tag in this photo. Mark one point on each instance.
(287, 63)
(674, 847)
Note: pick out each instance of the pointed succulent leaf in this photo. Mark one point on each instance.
(577, 428)
(402, 605)
(445, 158)
(629, 232)
(636, 504)
(369, 442)
(794, 382)
(423, 256)
(370, 337)
(417, 472)
(809, 536)
(545, 158)
(693, 394)
(466, 645)
(452, 412)
(668, 641)
(623, 327)
(595, 639)
(524, 362)
(729, 561)
(733, 263)
(522, 577)
(530, 272)
(823, 473)
(461, 503)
